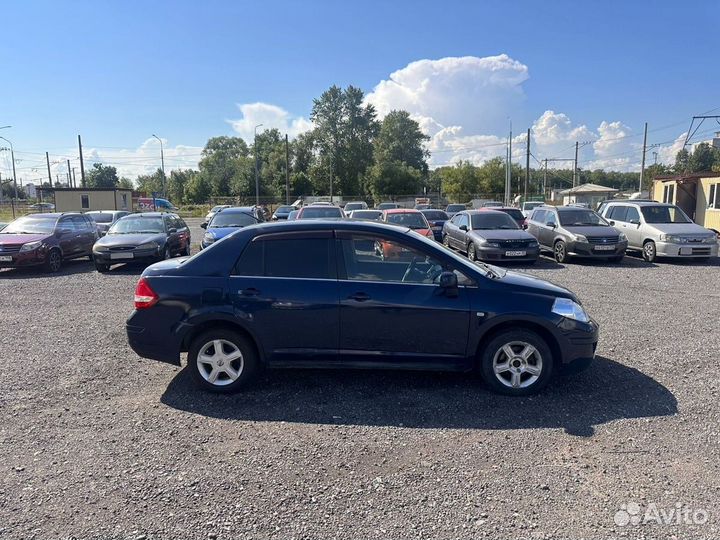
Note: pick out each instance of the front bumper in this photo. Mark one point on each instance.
(689, 251)
(126, 256)
(25, 259)
(586, 249)
(578, 342)
(489, 253)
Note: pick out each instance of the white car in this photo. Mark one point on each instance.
(354, 205)
(529, 206)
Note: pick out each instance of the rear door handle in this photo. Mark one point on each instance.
(359, 297)
(252, 291)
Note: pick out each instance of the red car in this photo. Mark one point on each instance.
(46, 240)
(404, 217)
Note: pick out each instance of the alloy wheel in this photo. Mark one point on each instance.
(471, 252)
(54, 260)
(560, 251)
(649, 251)
(220, 362)
(517, 364)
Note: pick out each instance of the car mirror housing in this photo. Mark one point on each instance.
(203, 225)
(449, 283)
(550, 224)
(463, 228)
(172, 230)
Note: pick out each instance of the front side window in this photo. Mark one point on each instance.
(464, 221)
(551, 218)
(538, 215)
(633, 216)
(307, 258)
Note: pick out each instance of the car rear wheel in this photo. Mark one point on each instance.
(222, 361)
(560, 251)
(649, 251)
(472, 255)
(517, 363)
(53, 261)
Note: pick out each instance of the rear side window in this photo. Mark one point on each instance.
(307, 258)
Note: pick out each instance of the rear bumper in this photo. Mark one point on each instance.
(585, 249)
(686, 251)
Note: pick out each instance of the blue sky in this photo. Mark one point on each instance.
(116, 72)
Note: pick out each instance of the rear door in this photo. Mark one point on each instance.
(392, 311)
(86, 231)
(285, 289)
(67, 235)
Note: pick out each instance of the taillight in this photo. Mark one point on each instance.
(145, 297)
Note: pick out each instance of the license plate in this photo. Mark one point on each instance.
(437, 228)
(515, 253)
(685, 251)
(6, 258)
(121, 255)
(605, 248)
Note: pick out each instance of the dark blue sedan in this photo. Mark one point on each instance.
(310, 294)
(436, 219)
(229, 220)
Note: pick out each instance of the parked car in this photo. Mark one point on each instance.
(3, 225)
(423, 206)
(388, 206)
(105, 218)
(367, 215)
(321, 203)
(453, 209)
(408, 219)
(569, 231)
(282, 212)
(436, 219)
(149, 204)
(511, 211)
(347, 308)
(528, 206)
(46, 240)
(320, 212)
(661, 230)
(214, 210)
(145, 237)
(42, 207)
(489, 235)
(354, 205)
(292, 216)
(227, 221)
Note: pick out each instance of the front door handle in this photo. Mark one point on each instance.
(359, 297)
(252, 291)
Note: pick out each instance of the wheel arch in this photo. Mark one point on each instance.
(219, 324)
(524, 324)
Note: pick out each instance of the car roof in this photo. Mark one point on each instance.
(236, 209)
(496, 208)
(150, 214)
(642, 203)
(483, 211)
(401, 211)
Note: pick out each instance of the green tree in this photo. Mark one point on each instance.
(102, 176)
(150, 183)
(393, 178)
(177, 184)
(125, 183)
(198, 189)
(220, 161)
(460, 181)
(682, 162)
(401, 140)
(703, 158)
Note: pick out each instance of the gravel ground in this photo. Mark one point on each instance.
(98, 443)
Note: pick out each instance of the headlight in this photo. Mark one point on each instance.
(622, 237)
(674, 239)
(569, 309)
(533, 244)
(208, 238)
(30, 246)
(710, 239)
(100, 248)
(147, 246)
(581, 238)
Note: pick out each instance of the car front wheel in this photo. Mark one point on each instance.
(472, 255)
(53, 261)
(222, 361)
(516, 363)
(560, 251)
(649, 251)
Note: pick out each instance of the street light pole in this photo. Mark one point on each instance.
(162, 164)
(257, 176)
(12, 157)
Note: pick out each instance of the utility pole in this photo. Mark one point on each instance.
(545, 179)
(642, 165)
(74, 179)
(287, 170)
(655, 154)
(82, 164)
(69, 174)
(162, 165)
(257, 174)
(12, 157)
(577, 146)
(47, 160)
(331, 178)
(527, 165)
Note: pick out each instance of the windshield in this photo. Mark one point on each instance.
(101, 218)
(284, 209)
(455, 208)
(435, 215)
(532, 205)
(664, 214)
(315, 212)
(138, 225)
(231, 219)
(366, 214)
(387, 206)
(31, 225)
(354, 206)
(491, 220)
(580, 217)
(408, 219)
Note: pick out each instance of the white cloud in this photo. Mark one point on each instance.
(270, 116)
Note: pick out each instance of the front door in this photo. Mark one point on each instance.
(393, 313)
(285, 290)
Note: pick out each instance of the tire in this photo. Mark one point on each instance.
(446, 241)
(218, 373)
(649, 251)
(560, 252)
(531, 373)
(53, 262)
(165, 254)
(471, 254)
(102, 268)
(186, 251)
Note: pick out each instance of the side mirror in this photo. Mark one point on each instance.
(550, 224)
(524, 226)
(612, 222)
(449, 283)
(172, 230)
(203, 225)
(635, 222)
(103, 233)
(463, 228)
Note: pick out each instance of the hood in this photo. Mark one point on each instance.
(166, 267)
(593, 231)
(131, 239)
(503, 234)
(672, 228)
(222, 232)
(15, 239)
(534, 285)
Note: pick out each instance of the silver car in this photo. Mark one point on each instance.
(661, 230)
